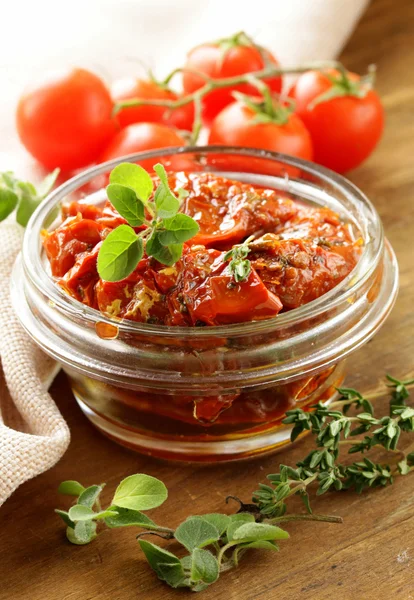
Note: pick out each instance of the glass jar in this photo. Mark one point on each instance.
(211, 393)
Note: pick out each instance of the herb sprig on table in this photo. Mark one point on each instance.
(208, 545)
(23, 196)
(131, 191)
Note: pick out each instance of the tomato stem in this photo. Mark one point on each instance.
(213, 84)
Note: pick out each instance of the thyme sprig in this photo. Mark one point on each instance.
(214, 543)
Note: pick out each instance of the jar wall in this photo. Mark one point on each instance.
(208, 428)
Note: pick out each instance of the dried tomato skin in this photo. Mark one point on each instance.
(299, 270)
(228, 211)
(75, 236)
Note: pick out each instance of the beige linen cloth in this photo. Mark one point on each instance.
(33, 434)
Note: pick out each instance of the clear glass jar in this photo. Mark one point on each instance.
(212, 393)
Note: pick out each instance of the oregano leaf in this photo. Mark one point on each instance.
(119, 254)
(135, 177)
(195, 532)
(140, 492)
(71, 488)
(126, 203)
(177, 230)
(204, 566)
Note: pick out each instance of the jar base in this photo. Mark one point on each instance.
(181, 450)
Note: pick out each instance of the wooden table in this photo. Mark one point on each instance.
(372, 554)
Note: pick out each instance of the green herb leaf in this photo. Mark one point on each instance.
(166, 202)
(80, 513)
(45, 187)
(126, 517)
(120, 254)
(237, 521)
(195, 532)
(65, 517)
(240, 267)
(126, 203)
(84, 513)
(134, 177)
(165, 255)
(160, 559)
(28, 203)
(173, 575)
(83, 533)
(89, 496)
(8, 202)
(220, 521)
(140, 492)
(254, 532)
(177, 229)
(71, 488)
(204, 566)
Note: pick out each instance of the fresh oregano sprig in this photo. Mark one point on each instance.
(214, 543)
(239, 265)
(131, 191)
(134, 494)
(23, 196)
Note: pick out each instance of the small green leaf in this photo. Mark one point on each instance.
(177, 229)
(166, 256)
(65, 517)
(134, 177)
(195, 532)
(140, 492)
(8, 202)
(127, 517)
(157, 556)
(126, 203)
(80, 513)
(173, 575)
(237, 521)
(83, 533)
(166, 202)
(204, 566)
(46, 186)
(254, 532)
(219, 521)
(28, 203)
(89, 496)
(84, 513)
(71, 488)
(120, 253)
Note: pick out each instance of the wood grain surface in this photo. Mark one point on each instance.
(370, 556)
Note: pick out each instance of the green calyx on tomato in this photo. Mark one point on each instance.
(344, 85)
(266, 109)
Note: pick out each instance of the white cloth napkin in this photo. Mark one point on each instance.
(33, 434)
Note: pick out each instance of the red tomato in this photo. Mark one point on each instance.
(216, 62)
(344, 129)
(235, 126)
(66, 120)
(125, 89)
(145, 136)
(182, 117)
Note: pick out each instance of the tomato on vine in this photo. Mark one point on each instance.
(266, 124)
(343, 114)
(149, 89)
(140, 137)
(228, 57)
(65, 120)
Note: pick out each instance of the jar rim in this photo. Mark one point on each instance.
(368, 262)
